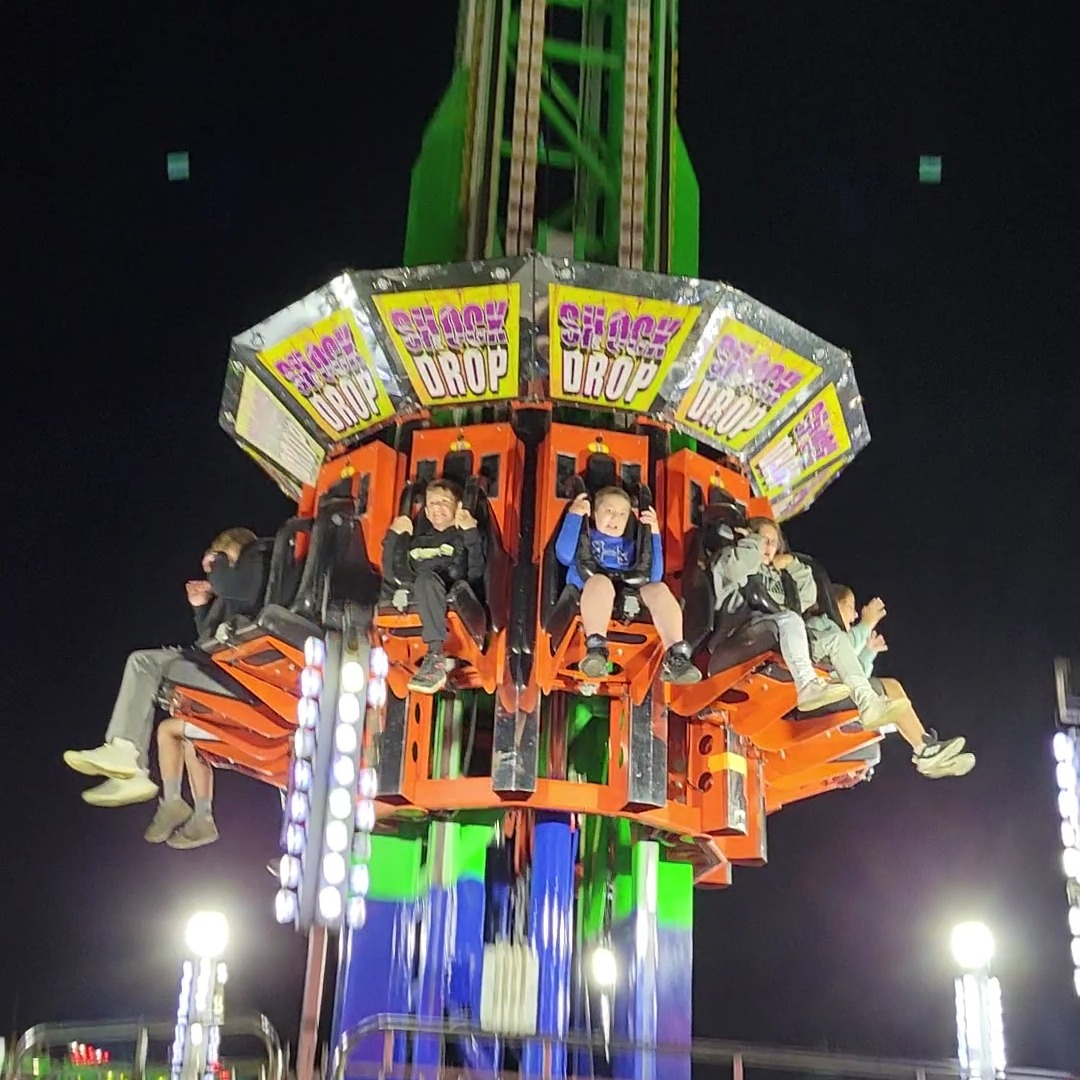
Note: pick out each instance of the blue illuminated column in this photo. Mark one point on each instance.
(201, 1008)
(980, 1031)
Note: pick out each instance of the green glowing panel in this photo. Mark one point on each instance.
(929, 169)
(178, 165)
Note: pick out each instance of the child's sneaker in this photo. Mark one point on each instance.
(819, 693)
(170, 815)
(198, 831)
(594, 664)
(430, 676)
(935, 754)
(883, 712)
(678, 667)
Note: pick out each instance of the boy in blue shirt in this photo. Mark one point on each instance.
(613, 551)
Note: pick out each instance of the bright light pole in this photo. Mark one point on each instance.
(980, 1033)
(201, 1008)
(1067, 773)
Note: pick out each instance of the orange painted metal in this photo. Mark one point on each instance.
(785, 760)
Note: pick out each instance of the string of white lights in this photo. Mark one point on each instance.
(1067, 773)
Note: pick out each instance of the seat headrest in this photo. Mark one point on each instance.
(458, 466)
(600, 472)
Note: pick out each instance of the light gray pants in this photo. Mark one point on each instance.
(794, 647)
(145, 670)
(834, 646)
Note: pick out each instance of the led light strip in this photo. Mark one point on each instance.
(295, 839)
(1067, 773)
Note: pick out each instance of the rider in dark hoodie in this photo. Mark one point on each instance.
(235, 577)
(442, 549)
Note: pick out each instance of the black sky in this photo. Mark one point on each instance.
(805, 123)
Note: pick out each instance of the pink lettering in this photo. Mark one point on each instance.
(666, 329)
(452, 326)
(569, 325)
(618, 333)
(472, 319)
(427, 327)
(496, 312)
(592, 326)
(403, 325)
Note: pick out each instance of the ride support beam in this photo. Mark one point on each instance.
(551, 933)
(375, 972)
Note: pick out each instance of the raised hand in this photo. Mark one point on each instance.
(581, 505)
(198, 593)
(873, 612)
(648, 517)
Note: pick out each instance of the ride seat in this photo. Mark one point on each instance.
(560, 600)
(303, 597)
(717, 522)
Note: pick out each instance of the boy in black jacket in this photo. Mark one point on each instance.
(443, 549)
(235, 578)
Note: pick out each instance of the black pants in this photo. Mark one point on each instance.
(429, 595)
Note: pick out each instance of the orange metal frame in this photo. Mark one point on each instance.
(784, 761)
(478, 667)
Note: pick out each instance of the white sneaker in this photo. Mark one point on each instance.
(883, 713)
(960, 765)
(126, 792)
(935, 758)
(819, 693)
(118, 760)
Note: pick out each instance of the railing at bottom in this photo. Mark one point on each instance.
(137, 1034)
(735, 1059)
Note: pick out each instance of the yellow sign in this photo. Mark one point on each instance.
(795, 502)
(746, 381)
(327, 369)
(613, 351)
(458, 346)
(815, 436)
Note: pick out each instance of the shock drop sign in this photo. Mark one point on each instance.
(815, 437)
(328, 370)
(746, 381)
(613, 351)
(457, 346)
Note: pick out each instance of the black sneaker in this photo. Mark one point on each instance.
(430, 677)
(678, 667)
(594, 664)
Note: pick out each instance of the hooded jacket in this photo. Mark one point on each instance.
(610, 552)
(734, 566)
(454, 554)
(237, 588)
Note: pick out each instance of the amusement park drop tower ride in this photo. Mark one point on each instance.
(548, 331)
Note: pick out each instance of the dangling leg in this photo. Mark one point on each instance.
(667, 618)
(200, 829)
(876, 711)
(172, 811)
(597, 604)
(429, 594)
(814, 692)
(933, 757)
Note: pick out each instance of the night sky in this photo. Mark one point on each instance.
(805, 123)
